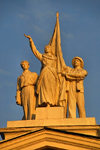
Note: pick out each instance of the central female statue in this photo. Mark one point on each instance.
(47, 84)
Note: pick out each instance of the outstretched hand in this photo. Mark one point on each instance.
(27, 36)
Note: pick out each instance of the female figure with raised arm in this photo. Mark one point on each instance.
(47, 84)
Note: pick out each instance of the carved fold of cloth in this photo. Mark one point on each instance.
(47, 85)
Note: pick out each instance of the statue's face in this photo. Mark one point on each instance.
(47, 49)
(77, 63)
(25, 66)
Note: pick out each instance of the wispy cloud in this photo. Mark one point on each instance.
(4, 72)
(67, 16)
(40, 15)
(70, 17)
(38, 29)
(23, 16)
(7, 84)
(68, 35)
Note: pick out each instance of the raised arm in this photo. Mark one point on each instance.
(33, 48)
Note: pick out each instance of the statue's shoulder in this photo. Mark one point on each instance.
(19, 77)
(84, 71)
(34, 74)
(49, 56)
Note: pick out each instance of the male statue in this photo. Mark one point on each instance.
(74, 87)
(25, 95)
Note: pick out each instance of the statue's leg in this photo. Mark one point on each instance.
(25, 111)
(72, 103)
(81, 104)
(63, 103)
(30, 106)
(34, 105)
(31, 109)
(31, 103)
(24, 102)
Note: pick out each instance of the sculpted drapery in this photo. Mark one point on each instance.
(47, 85)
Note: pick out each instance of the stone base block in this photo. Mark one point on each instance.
(52, 122)
(49, 113)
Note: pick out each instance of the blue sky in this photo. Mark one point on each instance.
(80, 36)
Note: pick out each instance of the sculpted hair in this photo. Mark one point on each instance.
(24, 61)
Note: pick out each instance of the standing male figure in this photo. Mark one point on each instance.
(25, 95)
(74, 87)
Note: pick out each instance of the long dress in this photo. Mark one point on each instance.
(47, 84)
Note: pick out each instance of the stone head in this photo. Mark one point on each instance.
(77, 61)
(25, 65)
(47, 49)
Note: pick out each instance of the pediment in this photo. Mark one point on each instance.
(47, 138)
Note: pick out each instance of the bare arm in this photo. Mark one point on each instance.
(33, 48)
(18, 92)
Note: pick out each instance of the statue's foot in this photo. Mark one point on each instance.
(47, 105)
(43, 105)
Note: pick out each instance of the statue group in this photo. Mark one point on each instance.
(57, 84)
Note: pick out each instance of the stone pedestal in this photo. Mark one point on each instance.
(51, 116)
(49, 113)
(51, 122)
